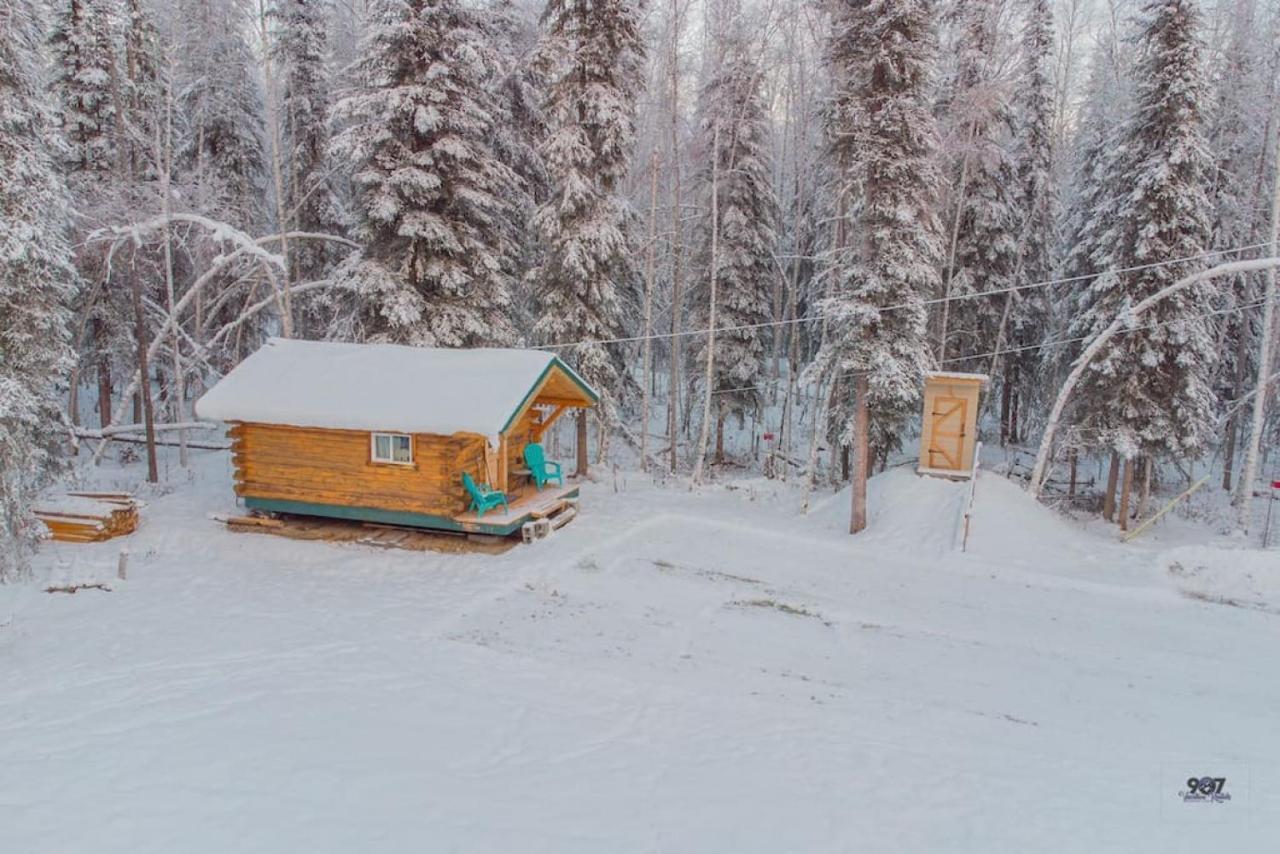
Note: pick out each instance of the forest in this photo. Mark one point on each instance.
(770, 216)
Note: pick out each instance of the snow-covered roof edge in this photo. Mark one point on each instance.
(343, 386)
(556, 362)
(956, 375)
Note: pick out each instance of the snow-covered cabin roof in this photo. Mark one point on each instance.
(958, 377)
(384, 387)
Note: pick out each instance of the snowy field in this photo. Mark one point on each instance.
(673, 672)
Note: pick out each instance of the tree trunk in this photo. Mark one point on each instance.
(1144, 495)
(1237, 385)
(1013, 408)
(711, 307)
(1006, 392)
(277, 171)
(1074, 457)
(720, 437)
(677, 245)
(1109, 497)
(844, 464)
(1126, 490)
(144, 384)
(164, 155)
(1244, 489)
(104, 374)
(583, 449)
(862, 459)
(647, 354)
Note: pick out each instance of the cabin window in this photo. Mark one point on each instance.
(393, 448)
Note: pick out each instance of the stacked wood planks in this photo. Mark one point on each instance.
(88, 517)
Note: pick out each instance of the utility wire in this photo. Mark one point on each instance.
(1041, 346)
(631, 339)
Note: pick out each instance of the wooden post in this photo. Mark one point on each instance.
(122, 565)
(1109, 498)
(1126, 489)
(582, 444)
(858, 517)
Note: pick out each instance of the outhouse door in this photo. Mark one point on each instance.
(946, 443)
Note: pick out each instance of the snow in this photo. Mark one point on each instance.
(674, 671)
(377, 387)
(958, 375)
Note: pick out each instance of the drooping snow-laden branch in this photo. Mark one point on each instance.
(245, 246)
(1123, 321)
(220, 231)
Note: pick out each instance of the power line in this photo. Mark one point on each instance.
(631, 339)
(1041, 346)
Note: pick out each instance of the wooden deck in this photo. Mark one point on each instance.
(526, 504)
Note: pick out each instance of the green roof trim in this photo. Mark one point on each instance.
(570, 372)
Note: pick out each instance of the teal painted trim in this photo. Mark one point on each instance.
(570, 372)
(385, 517)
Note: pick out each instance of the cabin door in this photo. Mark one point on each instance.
(946, 440)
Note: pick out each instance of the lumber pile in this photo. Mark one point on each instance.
(88, 517)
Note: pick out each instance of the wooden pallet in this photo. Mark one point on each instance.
(88, 517)
(366, 534)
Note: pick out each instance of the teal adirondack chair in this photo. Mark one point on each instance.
(482, 497)
(542, 470)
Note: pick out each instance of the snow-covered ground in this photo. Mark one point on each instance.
(674, 672)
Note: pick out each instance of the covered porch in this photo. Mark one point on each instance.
(526, 504)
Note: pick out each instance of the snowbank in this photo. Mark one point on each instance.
(1242, 577)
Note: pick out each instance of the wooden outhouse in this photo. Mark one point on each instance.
(949, 429)
(383, 433)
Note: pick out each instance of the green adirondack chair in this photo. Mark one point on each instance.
(482, 497)
(542, 470)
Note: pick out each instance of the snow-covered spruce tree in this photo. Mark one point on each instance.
(592, 52)
(1089, 249)
(222, 112)
(83, 59)
(884, 141)
(1149, 392)
(312, 201)
(984, 218)
(144, 89)
(731, 108)
(37, 281)
(1029, 311)
(518, 137)
(1243, 90)
(432, 193)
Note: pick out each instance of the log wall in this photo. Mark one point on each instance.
(335, 467)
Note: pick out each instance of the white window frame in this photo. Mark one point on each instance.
(389, 461)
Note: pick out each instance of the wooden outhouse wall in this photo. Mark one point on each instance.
(335, 467)
(949, 427)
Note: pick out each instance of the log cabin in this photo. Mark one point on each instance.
(383, 433)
